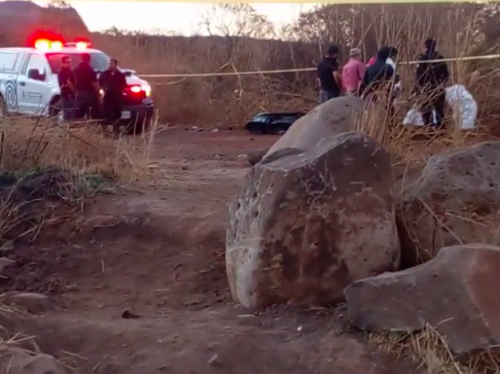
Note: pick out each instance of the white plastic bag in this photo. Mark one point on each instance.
(413, 118)
(463, 104)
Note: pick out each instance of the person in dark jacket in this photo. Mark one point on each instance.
(113, 83)
(377, 76)
(328, 75)
(431, 80)
(86, 89)
(66, 81)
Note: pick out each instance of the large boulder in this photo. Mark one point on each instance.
(455, 200)
(310, 221)
(331, 118)
(454, 293)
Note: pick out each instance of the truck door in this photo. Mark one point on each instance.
(33, 88)
(10, 64)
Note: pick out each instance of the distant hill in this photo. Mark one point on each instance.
(19, 19)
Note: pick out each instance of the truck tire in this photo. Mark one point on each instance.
(55, 107)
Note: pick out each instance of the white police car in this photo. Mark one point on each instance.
(29, 85)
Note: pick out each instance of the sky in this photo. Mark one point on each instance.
(168, 17)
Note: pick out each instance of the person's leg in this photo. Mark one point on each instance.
(323, 96)
(116, 113)
(427, 108)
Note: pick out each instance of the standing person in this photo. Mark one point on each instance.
(113, 83)
(66, 81)
(377, 75)
(328, 75)
(353, 72)
(86, 89)
(431, 79)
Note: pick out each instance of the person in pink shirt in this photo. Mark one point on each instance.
(353, 72)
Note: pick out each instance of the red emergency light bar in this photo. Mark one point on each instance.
(46, 41)
(56, 45)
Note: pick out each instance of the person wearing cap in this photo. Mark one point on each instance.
(431, 79)
(66, 81)
(328, 76)
(353, 72)
(113, 83)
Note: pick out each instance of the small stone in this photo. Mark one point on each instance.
(214, 360)
(127, 314)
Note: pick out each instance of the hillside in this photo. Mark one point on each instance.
(19, 19)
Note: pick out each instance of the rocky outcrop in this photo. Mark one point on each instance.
(29, 301)
(20, 19)
(454, 293)
(456, 200)
(311, 220)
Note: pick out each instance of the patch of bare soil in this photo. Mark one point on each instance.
(140, 281)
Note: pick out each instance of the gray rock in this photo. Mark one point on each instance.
(22, 362)
(309, 222)
(455, 293)
(456, 200)
(29, 301)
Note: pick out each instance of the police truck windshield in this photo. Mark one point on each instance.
(98, 60)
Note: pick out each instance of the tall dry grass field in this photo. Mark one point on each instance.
(461, 30)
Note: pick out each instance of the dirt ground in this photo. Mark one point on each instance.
(158, 251)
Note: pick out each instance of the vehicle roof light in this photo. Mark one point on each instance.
(82, 45)
(56, 45)
(42, 44)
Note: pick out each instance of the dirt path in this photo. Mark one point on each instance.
(159, 252)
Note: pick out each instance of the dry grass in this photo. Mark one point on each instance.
(429, 350)
(84, 149)
(44, 162)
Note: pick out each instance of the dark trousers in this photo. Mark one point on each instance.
(112, 109)
(435, 100)
(325, 95)
(87, 105)
(68, 107)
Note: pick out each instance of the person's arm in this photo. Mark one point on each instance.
(72, 81)
(95, 82)
(364, 84)
(102, 78)
(318, 74)
(421, 71)
(361, 70)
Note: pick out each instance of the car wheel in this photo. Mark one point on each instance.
(55, 108)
